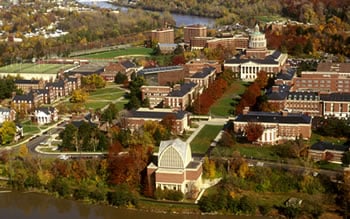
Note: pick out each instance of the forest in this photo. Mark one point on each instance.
(93, 29)
(246, 12)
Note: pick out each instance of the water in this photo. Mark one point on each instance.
(15, 205)
(180, 19)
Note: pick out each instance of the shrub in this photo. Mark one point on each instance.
(173, 195)
(121, 196)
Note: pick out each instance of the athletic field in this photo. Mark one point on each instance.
(35, 68)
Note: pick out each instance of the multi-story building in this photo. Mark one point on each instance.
(7, 114)
(322, 81)
(257, 58)
(195, 65)
(60, 88)
(165, 35)
(193, 31)
(327, 151)
(198, 43)
(236, 42)
(163, 75)
(26, 103)
(135, 119)
(335, 105)
(28, 85)
(175, 168)
(181, 96)
(155, 94)
(204, 77)
(278, 127)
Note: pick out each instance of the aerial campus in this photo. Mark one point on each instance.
(128, 109)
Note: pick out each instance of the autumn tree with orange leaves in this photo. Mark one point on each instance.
(253, 131)
(215, 90)
(249, 97)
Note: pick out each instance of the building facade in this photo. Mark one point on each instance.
(278, 127)
(176, 169)
(135, 119)
(182, 96)
(193, 31)
(45, 115)
(327, 151)
(155, 94)
(165, 35)
(257, 58)
(163, 75)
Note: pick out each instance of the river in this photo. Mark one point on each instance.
(16, 205)
(180, 19)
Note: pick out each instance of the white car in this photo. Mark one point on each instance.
(63, 157)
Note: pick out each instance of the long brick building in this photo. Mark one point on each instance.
(278, 127)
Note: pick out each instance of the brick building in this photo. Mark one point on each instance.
(336, 105)
(204, 77)
(182, 96)
(195, 65)
(322, 81)
(126, 67)
(28, 85)
(163, 75)
(27, 102)
(175, 169)
(256, 58)
(278, 127)
(193, 31)
(327, 151)
(135, 119)
(165, 35)
(155, 94)
(198, 43)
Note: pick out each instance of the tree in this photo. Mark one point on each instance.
(120, 78)
(253, 131)
(7, 132)
(346, 158)
(110, 113)
(79, 96)
(93, 82)
(226, 140)
(69, 138)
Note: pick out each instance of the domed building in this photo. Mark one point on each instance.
(257, 44)
(256, 58)
(175, 168)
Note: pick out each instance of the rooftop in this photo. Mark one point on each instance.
(155, 114)
(274, 117)
(184, 89)
(322, 146)
(146, 71)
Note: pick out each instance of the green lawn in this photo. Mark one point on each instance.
(140, 51)
(30, 128)
(225, 105)
(202, 141)
(34, 68)
(95, 105)
(120, 105)
(103, 97)
(249, 151)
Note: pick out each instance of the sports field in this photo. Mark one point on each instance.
(132, 51)
(35, 68)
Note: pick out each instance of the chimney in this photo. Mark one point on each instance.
(245, 110)
(284, 113)
(275, 89)
(177, 87)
